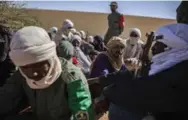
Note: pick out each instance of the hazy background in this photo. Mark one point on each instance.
(159, 9)
(91, 16)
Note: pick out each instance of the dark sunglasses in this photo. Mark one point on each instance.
(133, 35)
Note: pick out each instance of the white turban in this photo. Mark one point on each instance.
(32, 45)
(68, 23)
(77, 37)
(135, 40)
(175, 36)
(137, 31)
(90, 39)
(83, 34)
(73, 30)
(53, 29)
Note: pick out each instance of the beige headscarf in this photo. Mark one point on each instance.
(116, 62)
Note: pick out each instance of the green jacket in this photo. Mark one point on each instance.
(65, 50)
(113, 26)
(113, 23)
(66, 99)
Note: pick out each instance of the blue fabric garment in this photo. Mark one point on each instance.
(102, 66)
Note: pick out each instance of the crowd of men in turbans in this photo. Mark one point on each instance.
(66, 74)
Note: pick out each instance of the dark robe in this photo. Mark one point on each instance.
(6, 65)
(182, 13)
(165, 94)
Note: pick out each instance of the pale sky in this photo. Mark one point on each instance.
(159, 9)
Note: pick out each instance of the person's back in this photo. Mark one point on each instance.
(182, 10)
(87, 48)
(6, 65)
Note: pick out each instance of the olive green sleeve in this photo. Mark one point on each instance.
(80, 101)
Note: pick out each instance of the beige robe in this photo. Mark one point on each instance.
(133, 51)
(58, 37)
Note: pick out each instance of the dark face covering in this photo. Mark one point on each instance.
(98, 43)
(75, 43)
(182, 13)
(36, 71)
(158, 47)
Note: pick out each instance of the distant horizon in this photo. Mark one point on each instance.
(98, 13)
(154, 9)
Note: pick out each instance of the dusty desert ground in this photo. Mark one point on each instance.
(96, 23)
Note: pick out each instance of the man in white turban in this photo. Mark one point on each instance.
(83, 60)
(73, 30)
(134, 49)
(55, 88)
(66, 29)
(52, 32)
(83, 35)
(90, 39)
(134, 44)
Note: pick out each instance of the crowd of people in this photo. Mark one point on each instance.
(66, 74)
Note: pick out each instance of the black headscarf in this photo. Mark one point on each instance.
(7, 68)
(98, 43)
(5, 37)
(182, 12)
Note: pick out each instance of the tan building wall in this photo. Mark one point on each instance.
(96, 23)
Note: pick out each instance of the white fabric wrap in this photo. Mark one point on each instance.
(90, 39)
(76, 37)
(73, 30)
(30, 55)
(176, 38)
(67, 23)
(134, 40)
(83, 34)
(52, 75)
(53, 29)
(32, 45)
(136, 30)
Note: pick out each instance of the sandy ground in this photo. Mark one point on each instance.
(104, 117)
(96, 23)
